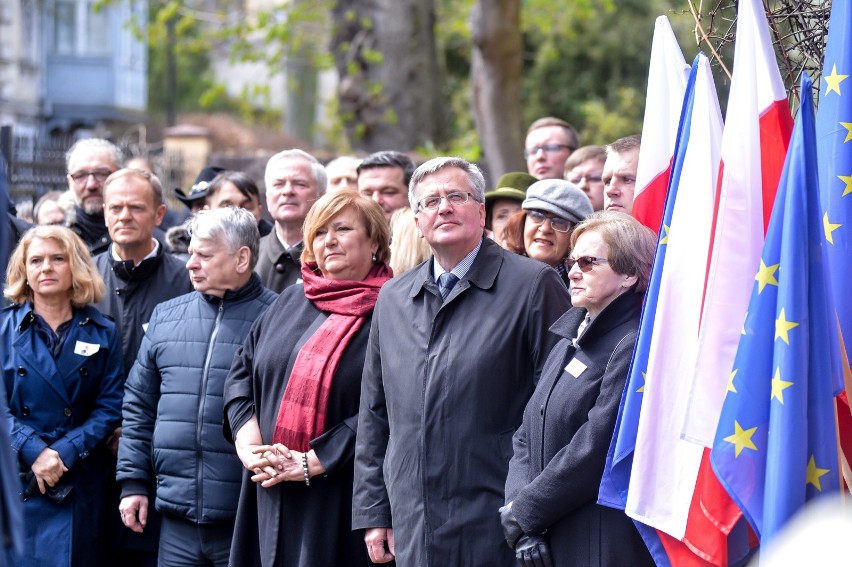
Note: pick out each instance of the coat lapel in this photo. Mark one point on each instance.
(37, 361)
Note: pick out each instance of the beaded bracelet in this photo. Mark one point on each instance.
(305, 469)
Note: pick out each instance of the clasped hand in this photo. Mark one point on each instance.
(275, 463)
(48, 468)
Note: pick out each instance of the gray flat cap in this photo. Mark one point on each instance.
(562, 198)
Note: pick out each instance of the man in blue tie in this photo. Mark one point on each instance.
(456, 346)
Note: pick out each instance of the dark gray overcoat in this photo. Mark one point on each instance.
(444, 389)
(560, 450)
(278, 268)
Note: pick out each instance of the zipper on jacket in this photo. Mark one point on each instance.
(201, 398)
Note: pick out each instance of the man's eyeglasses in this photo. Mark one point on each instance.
(556, 223)
(587, 178)
(100, 175)
(432, 202)
(546, 148)
(585, 262)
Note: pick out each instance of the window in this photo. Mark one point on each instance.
(79, 29)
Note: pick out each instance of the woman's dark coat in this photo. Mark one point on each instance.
(71, 405)
(560, 449)
(291, 524)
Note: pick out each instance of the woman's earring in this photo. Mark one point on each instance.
(374, 256)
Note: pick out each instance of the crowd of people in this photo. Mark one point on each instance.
(379, 361)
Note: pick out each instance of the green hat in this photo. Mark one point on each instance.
(512, 186)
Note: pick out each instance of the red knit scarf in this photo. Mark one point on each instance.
(304, 406)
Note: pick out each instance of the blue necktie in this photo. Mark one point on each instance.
(446, 282)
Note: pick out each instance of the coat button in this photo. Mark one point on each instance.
(25, 411)
(22, 371)
(84, 371)
(67, 412)
(280, 268)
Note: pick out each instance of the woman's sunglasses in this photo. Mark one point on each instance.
(585, 262)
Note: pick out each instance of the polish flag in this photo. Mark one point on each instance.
(667, 78)
(665, 466)
(754, 144)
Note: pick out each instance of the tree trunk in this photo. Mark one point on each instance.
(496, 81)
(390, 81)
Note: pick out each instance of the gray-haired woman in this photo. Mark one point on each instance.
(551, 515)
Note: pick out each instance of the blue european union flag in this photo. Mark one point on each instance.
(776, 444)
(834, 146)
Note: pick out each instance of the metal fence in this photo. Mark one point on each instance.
(36, 165)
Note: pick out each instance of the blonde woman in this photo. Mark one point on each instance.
(63, 379)
(408, 248)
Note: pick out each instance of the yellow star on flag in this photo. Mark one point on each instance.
(847, 179)
(783, 326)
(731, 387)
(828, 228)
(665, 239)
(741, 439)
(848, 126)
(766, 276)
(834, 81)
(641, 390)
(778, 386)
(814, 473)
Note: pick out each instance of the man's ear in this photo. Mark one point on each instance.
(243, 260)
(159, 214)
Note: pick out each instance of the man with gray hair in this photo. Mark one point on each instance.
(172, 412)
(456, 346)
(89, 162)
(294, 180)
(138, 275)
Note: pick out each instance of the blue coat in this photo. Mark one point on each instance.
(70, 404)
(173, 410)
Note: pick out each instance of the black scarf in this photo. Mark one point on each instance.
(91, 228)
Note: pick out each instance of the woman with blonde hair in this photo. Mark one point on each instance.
(62, 376)
(408, 248)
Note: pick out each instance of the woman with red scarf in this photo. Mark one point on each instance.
(291, 399)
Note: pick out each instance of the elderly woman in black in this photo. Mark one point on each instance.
(62, 375)
(293, 393)
(551, 516)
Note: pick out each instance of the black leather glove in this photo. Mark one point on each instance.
(533, 551)
(511, 529)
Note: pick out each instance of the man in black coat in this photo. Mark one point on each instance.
(294, 180)
(456, 346)
(173, 401)
(138, 274)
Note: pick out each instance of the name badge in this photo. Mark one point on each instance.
(575, 367)
(86, 349)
